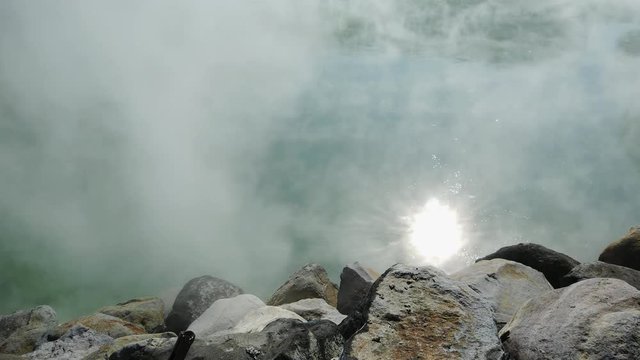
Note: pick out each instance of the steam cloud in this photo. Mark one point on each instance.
(145, 143)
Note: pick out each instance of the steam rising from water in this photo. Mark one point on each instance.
(144, 143)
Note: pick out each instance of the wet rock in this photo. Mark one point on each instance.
(420, 313)
(102, 324)
(552, 264)
(196, 297)
(315, 309)
(355, 281)
(505, 284)
(309, 282)
(146, 312)
(591, 319)
(22, 331)
(624, 252)
(78, 342)
(224, 314)
(257, 319)
(600, 269)
(105, 351)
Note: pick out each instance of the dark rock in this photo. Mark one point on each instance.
(147, 312)
(105, 351)
(591, 319)
(196, 297)
(22, 331)
(420, 313)
(505, 284)
(309, 282)
(552, 264)
(355, 282)
(624, 252)
(600, 269)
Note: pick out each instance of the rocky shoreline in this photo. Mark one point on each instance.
(522, 302)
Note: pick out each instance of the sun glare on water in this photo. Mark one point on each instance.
(435, 234)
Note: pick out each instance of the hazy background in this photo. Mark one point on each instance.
(144, 143)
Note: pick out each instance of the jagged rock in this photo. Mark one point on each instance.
(147, 312)
(224, 314)
(591, 319)
(624, 252)
(196, 297)
(309, 282)
(102, 324)
(256, 320)
(282, 339)
(22, 331)
(355, 281)
(600, 269)
(78, 342)
(552, 264)
(420, 313)
(506, 284)
(106, 350)
(315, 309)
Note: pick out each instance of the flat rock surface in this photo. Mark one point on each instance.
(146, 312)
(196, 297)
(355, 281)
(102, 324)
(600, 269)
(309, 282)
(224, 314)
(552, 264)
(420, 313)
(315, 309)
(257, 319)
(506, 284)
(591, 319)
(624, 252)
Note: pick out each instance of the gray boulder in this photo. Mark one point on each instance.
(22, 331)
(224, 314)
(600, 269)
(624, 252)
(420, 313)
(76, 343)
(552, 264)
(315, 309)
(196, 297)
(591, 319)
(505, 284)
(309, 282)
(355, 281)
(146, 312)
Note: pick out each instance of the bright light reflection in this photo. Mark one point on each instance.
(435, 234)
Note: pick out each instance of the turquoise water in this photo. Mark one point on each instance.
(141, 145)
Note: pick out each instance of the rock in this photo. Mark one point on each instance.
(224, 314)
(101, 324)
(505, 284)
(105, 351)
(168, 297)
(196, 297)
(552, 264)
(600, 269)
(146, 312)
(283, 339)
(309, 282)
(355, 282)
(624, 252)
(257, 319)
(591, 319)
(76, 343)
(315, 309)
(22, 331)
(420, 313)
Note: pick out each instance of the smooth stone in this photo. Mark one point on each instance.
(256, 320)
(309, 282)
(355, 281)
(505, 284)
(591, 319)
(600, 269)
(195, 297)
(224, 314)
(624, 252)
(146, 312)
(315, 309)
(552, 264)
